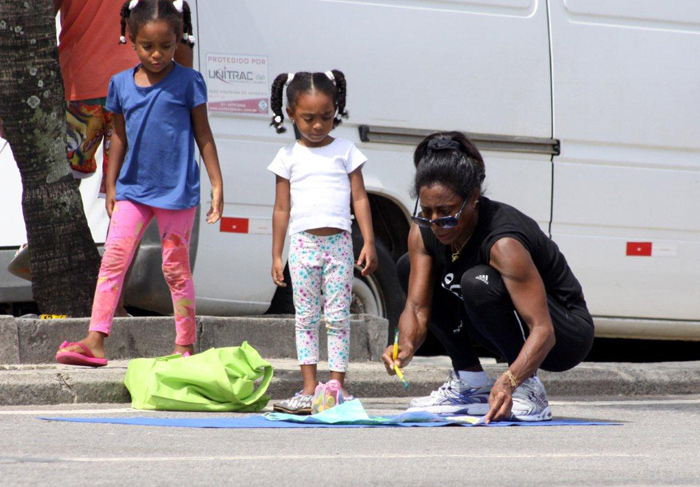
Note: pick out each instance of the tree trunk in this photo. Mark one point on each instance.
(64, 259)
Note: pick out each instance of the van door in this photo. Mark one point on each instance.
(626, 86)
(413, 66)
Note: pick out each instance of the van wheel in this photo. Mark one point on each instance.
(379, 293)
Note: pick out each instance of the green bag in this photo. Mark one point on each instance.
(216, 380)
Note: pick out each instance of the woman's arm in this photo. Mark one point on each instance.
(363, 215)
(413, 323)
(207, 147)
(526, 290)
(280, 221)
(117, 151)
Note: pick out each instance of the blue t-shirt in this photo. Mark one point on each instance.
(159, 168)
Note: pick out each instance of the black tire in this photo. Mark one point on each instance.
(381, 287)
(384, 282)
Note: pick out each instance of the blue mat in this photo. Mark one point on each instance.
(259, 421)
(350, 414)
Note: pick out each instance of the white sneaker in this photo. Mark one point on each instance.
(454, 396)
(530, 401)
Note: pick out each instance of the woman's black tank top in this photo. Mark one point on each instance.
(498, 220)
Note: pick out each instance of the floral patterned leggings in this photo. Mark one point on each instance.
(129, 221)
(322, 264)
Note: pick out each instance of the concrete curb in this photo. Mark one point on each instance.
(57, 384)
(33, 341)
(9, 341)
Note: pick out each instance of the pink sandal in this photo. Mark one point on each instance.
(76, 358)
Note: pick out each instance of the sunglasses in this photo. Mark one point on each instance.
(442, 222)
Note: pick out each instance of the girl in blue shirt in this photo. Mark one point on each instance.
(159, 112)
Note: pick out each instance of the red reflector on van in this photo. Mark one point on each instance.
(233, 225)
(641, 249)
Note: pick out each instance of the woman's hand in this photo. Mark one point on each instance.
(368, 255)
(278, 272)
(217, 206)
(403, 357)
(500, 400)
(110, 200)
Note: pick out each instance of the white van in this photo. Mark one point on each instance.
(586, 112)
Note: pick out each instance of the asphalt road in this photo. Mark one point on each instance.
(656, 445)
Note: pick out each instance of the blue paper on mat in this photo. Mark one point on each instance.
(347, 415)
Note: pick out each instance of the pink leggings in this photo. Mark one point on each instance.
(129, 221)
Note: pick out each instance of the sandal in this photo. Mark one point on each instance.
(77, 358)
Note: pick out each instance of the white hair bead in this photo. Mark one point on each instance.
(278, 119)
(290, 78)
(122, 40)
(179, 5)
(132, 4)
(330, 76)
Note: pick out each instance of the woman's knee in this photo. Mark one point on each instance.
(482, 285)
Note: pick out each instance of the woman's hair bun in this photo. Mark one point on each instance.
(444, 143)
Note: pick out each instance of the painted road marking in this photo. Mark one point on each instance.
(338, 456)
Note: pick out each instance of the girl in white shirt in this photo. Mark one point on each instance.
(316, 178)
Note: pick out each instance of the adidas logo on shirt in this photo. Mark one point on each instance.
(483, 278)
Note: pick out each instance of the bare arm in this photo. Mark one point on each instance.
(413, 323)
(363, 215)
(526, 289)
(207, 147)
(280, 221)
(117, 152)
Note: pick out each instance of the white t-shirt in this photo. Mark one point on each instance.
(319, 183)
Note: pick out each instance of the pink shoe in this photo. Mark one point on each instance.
(326, 396)
(77, 358)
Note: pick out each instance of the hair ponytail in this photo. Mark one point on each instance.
(277, 102)
(187, 37)
(123, 16)
(340, 97)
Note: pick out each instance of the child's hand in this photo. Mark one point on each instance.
(369, 257)
(217, 208)
(110, 201)
(278, 273)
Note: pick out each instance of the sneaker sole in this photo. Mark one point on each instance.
(282, 409)
(545, 415)
(469, 409)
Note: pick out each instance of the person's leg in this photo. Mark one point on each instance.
(107, 129)
(446, 322)
(467, 388)
(175, 227)
(126, 229)
(573, 329)
(336, 284)
(305, 270)
(498, 325)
